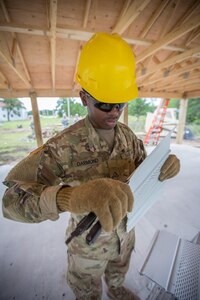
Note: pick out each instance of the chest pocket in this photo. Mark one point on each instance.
(121, 169)
(88, 168)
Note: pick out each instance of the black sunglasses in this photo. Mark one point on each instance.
(105, 107)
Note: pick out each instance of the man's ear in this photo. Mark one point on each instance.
(83, 98)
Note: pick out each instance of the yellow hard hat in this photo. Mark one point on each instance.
(106, 69)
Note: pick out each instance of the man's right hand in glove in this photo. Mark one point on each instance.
(109, 199)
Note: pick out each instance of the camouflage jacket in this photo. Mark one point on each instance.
(72, 157)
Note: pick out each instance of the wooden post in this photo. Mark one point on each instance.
(182, 118)
(124, 116)
(36, 119)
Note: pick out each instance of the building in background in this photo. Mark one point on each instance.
(17, 114)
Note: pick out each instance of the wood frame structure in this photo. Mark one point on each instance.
(40, 43)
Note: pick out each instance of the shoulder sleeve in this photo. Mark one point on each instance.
(29, 184)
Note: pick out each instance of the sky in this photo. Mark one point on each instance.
(43, 103)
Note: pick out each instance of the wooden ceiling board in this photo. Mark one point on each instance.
(40, 43)
(27, 12)
(70, 13)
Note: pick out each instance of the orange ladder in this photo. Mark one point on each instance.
(156, 125)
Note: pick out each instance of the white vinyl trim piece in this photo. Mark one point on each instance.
(145, 184)
(174, 264)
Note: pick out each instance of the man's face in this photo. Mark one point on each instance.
(101, 119)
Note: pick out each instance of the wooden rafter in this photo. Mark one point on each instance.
(159, 76)
(159, 94)
(40, 93)
(162, 63)
(177, 82)
(153, 18)
(85, 20)
(75, 34)
(53, 20)
(169, 62)
(124, 9)
(6, 57)
(63, 93)
(193, 36)
(182, 80)
(169, 38)
(4, 80)
(5, 46)
(130, 15)
(191, 10)
(15, 42)
(171, 16)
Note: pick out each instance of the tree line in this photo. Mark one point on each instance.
(139, 107)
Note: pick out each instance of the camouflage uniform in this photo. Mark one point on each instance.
(73, 157)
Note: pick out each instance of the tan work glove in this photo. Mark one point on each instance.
(170, 168)
(109, 199)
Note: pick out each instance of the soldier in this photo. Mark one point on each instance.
(85, 168)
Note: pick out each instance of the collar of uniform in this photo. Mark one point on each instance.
(94, 140)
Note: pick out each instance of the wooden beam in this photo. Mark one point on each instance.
(24, 29)
(187, 85)
(191, 10)
(53, 21)
(169, 38)
(14, 46)
(10, 63)
(4, 80)
(124, 116)
(159, 94)
(5, 47)
(193, 36)
(86, 14)
(76, 34)
(85, 20)
(183, 78)
(159, 76)
(15, 41)
(153, 18)
(62, 93)
(193, 94)
(182, 119)
(130, 15)
(36, 119)
(172, 61)
(123, 10)
(171, 16)
(47, 7)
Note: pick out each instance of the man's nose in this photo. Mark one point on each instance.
(115, 111)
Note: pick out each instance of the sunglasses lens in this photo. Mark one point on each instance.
(106, 107)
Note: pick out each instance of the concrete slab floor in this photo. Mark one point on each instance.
(33, 256)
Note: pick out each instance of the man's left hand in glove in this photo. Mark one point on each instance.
(170, 168)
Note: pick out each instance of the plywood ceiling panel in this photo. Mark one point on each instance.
(40, 43)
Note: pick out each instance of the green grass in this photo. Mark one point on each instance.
(16, 142)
